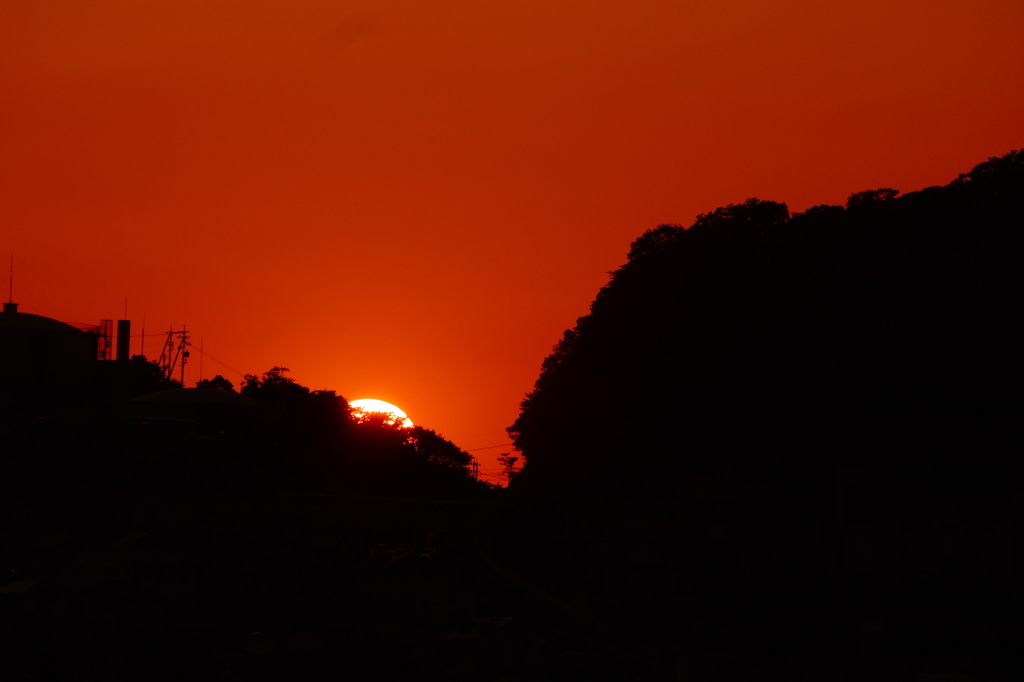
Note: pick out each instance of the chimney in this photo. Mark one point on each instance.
(124, 337)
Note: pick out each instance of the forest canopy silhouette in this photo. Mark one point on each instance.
(778, 347)
(134, 427)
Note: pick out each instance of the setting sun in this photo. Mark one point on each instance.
(365, 406)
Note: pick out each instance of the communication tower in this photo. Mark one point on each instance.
(106, 333)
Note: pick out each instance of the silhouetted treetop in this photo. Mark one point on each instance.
(273, 385)
(146, 376)
(438, 450)
(509, 465)
(752, 217)
(654, 240)
(871, 197)
(997, 174)
(217, 383)
(729, 223)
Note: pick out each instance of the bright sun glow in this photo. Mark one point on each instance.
(365, 406)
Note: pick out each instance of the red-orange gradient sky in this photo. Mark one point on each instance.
(411, 200)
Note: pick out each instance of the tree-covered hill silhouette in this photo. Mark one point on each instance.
(131, 427)
(879, 334)
(786, 446)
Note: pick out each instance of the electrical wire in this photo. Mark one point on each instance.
(222, 364)
(491, 447)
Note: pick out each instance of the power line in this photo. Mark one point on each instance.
(491, 447)
(222, 364)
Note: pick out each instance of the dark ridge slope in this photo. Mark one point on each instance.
(880, 335)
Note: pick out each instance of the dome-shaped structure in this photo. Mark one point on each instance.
(196, 397)
(41, 352)
(12, 320)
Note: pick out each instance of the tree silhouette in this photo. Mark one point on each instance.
(145, 376)
(440, 451)
(379, 432)
(509, 467)
(871, 197)
(273, 385)
(217, 383)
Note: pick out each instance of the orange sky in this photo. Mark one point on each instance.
(411, 200)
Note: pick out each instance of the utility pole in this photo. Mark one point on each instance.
(173, 352)
(182, 350)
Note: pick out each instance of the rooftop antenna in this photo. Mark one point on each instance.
(10, 306)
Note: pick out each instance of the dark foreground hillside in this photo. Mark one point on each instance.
(805, 428)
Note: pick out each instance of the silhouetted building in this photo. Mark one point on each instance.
(42, 353)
